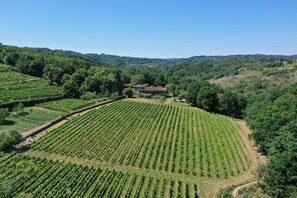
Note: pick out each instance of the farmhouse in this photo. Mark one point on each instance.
(149, 90)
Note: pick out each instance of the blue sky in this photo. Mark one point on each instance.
(152, 28)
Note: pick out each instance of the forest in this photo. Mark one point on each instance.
(266, 99)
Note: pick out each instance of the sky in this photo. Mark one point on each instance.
(152, 28)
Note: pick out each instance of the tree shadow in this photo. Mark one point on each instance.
(7, 122)
(22, 149)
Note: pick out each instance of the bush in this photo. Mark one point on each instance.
(232, 104)
(182, 95)
(128, 92)
(227, 195)
(88, 96)
(162, 99)
(7, 140)
(138, 95)
(3, 113)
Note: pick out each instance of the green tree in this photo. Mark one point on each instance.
(54, 73)
(207, 98)
(232, 104)
(271, 118)
(23, 63)
(91, 84)
(19, 109)
(171, 88)
(193, 89)
(182, 95)
(11, 58)
(79, 76)
(7, 140)
(36, 67)
(3, 113)
(109, 84)
(137, 79)
(281, 179)
(71, 89)
(31, 65)
(128, 92)
(88, 96)
(126, 78)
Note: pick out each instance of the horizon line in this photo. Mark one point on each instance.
(142, 57)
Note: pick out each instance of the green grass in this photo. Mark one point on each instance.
(4, 68)
(33, 119)
(67, 105)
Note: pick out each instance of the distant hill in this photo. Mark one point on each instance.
(107, 60)
(155, 71)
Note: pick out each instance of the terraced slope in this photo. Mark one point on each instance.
(19, 87)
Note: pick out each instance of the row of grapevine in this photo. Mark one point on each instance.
(167, 138)
(16, 87)
(46, 178)
(24, 85)
(31, 93)
(67, 105)
(15, 77)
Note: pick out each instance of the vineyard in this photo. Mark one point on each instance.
(16, 87)
(166, 138)
(12, 77)
(67, 105)
(39, 177)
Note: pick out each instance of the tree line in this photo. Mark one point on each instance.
(272, 116)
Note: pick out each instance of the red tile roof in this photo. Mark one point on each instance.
(160, 89)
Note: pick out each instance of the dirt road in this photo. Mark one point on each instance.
(40, 131)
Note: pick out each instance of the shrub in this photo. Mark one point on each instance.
(88, 96)
(128, 92)
(7, 140)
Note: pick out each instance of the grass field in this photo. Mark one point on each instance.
(34, 118)
(67, 105)
(17, 87)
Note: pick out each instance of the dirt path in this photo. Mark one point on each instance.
(235, 192)
(47, 130)
(123, 168)
(49, 110)
(256, 157)
(260, 159)
(39, 108)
